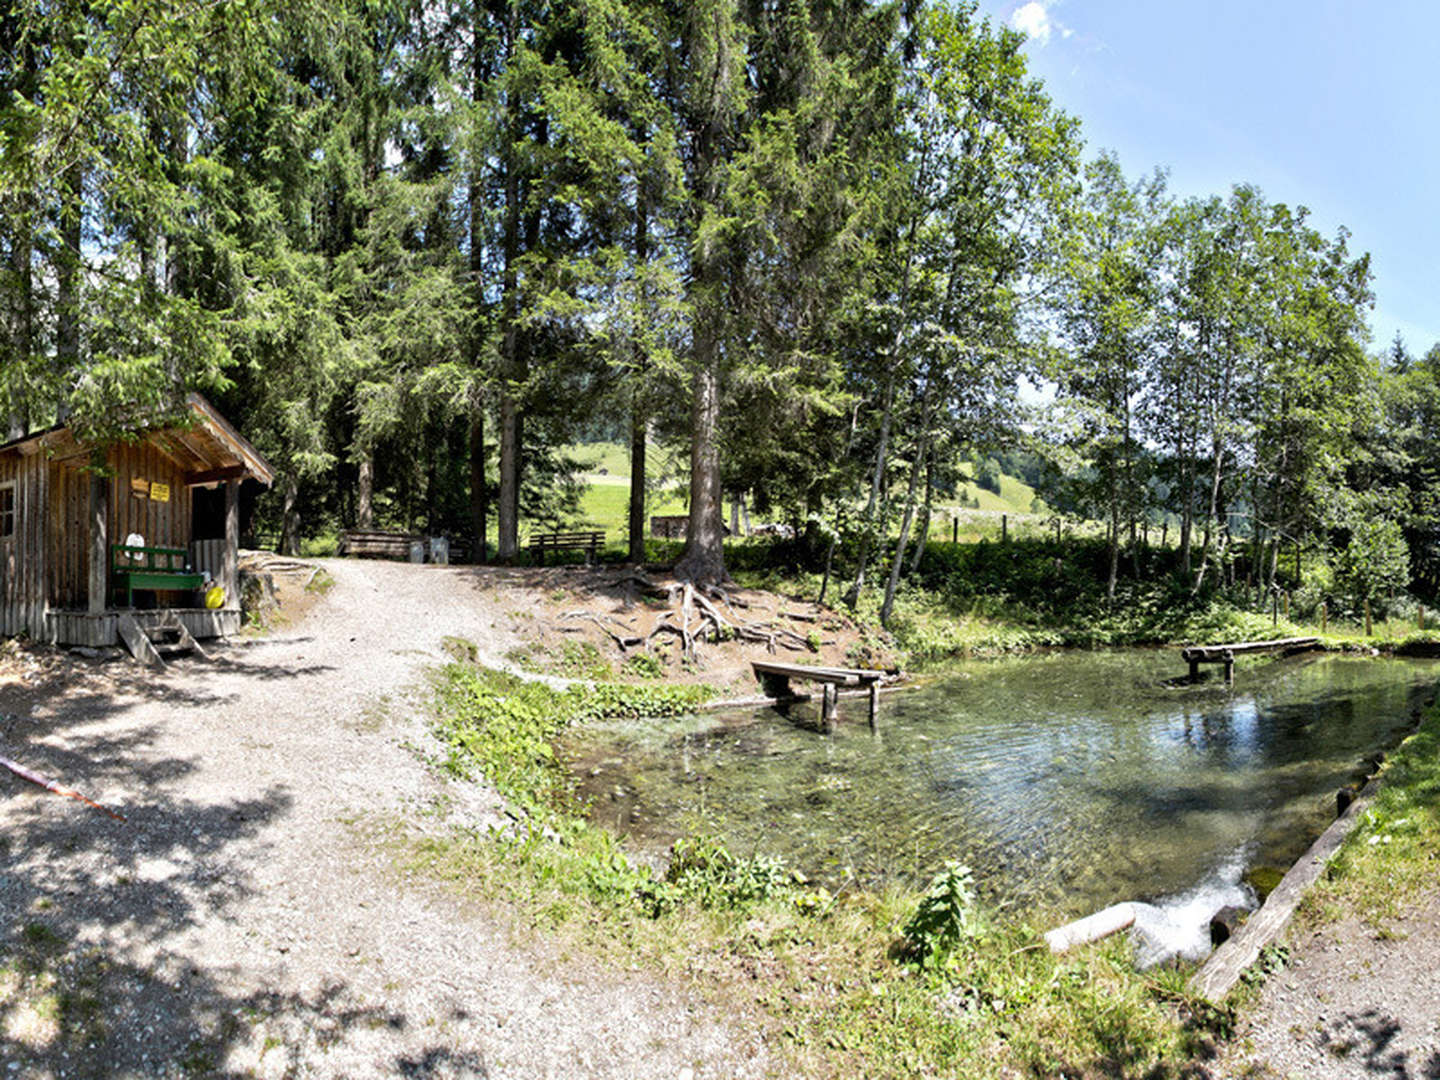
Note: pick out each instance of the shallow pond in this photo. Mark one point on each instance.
(1071, 780)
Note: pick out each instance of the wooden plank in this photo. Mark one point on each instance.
(1229, 961)
(819, 674)
(140, 646)
(1214, 654)
(99, 544)
(173, 621)
(230, 574)
(215, 476)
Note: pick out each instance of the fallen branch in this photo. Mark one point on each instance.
(50, 785)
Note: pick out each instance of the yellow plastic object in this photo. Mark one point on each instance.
(215, 597)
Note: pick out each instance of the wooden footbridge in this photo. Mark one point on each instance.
(1195, 655)
(775, 679)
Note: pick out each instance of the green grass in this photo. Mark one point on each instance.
(605, 503)
(612, 457)
(607, 506)
(861, 984)
(1389, 859)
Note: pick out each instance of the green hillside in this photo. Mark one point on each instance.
(606, 473)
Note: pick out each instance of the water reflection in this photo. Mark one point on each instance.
(1073, 779)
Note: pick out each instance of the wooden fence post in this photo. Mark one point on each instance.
(1367, 617)
(1324, 616)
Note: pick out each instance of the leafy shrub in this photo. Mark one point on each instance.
(947, 916)
(704, 871)
(504, 727)
(644, 666)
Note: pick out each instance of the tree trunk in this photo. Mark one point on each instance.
(639, 421)
(508, 542)
(888, 604)
(922, 531)
(709, 52)
(480, 75)
(703, 560)
(67, 292)
(637, 481)
(511, 375)
(479, 494)
(852, 595)
(365, 491)
(1114, 538)
(290, 517)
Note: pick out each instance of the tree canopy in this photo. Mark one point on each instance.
(416, 250)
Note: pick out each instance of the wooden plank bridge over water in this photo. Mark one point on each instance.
(1195, 655)
(775, 679)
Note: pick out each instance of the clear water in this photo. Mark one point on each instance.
(1070, 780)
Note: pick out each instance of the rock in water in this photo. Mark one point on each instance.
(1225, 922)
(1344, 797)
(1263, 880)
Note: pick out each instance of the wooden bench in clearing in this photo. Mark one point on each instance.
(376, 544)
(775, 679)
(157, 568)
(588, 541)
(379, 544)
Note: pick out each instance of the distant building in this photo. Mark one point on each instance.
(674, 526)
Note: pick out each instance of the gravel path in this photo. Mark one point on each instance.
(1351, 1004)
(240, 924)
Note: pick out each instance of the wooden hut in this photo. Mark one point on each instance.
(86, 557)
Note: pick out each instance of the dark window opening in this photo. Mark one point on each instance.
(7, 511)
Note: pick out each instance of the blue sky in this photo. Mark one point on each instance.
(1329, 104)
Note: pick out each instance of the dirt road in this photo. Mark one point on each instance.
(240, 924)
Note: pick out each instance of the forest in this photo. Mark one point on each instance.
(828, 252)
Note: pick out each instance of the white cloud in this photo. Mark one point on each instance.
(1033, 19)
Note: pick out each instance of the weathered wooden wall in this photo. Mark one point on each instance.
(162, 524)
(166, 524)
(22, 556)
(69, 534)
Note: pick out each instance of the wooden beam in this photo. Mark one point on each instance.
(220, 427)
(99, 543)
(1214, 654)
(1227, 963)
(214, 476)
(196, 448)
(229, 572)
(167, 451)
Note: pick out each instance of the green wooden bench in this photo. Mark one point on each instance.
(160, 568)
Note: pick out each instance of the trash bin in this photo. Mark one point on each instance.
(417, 551)
(440, 550)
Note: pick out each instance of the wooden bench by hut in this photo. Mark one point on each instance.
(69, 571)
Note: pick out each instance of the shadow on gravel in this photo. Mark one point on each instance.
(1366, 1041)
(96, 979)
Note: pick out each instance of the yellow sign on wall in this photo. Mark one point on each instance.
(140, 488)
(159, 492)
